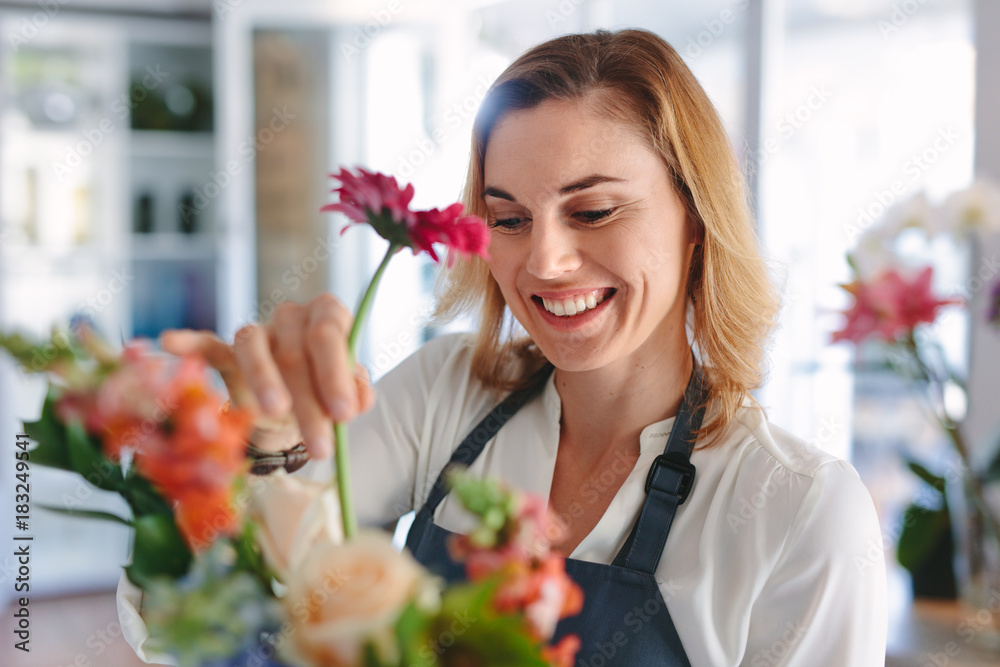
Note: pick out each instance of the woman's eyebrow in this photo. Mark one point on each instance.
(576, 186)
(588, 182)
(498, 193)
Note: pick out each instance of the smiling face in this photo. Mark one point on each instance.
(590, 244)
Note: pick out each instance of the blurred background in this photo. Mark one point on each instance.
(163, 162)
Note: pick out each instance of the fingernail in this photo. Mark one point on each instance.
(340, 410)
(270, 400)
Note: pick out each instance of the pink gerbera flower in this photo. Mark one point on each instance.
(378, 200)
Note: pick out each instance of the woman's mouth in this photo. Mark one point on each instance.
(586, 307)
(576, 304)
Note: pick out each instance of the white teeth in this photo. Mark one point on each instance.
(570, 307)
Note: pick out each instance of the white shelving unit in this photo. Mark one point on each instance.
(70, 169)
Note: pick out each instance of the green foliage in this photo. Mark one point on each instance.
(85, 458)
(935, 481)
(50, 434)
(466, 629)
(494, 505)
(88, 514)
(489, 637)
(159, 547)
(159, 550)
(143, 497)
(215, 612)
(39, 357)
(923, 527)
(249, 558)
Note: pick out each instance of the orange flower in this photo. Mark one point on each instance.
(171, 421)
(203, 515)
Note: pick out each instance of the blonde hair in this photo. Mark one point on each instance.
(639, 79)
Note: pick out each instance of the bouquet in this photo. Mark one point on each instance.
(236, 569)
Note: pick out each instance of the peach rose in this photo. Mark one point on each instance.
(293, 516)
(344, 595)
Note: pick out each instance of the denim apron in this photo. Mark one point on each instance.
(625, 620)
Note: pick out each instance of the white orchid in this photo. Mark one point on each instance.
(974, 210)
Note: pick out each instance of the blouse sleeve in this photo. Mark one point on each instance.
(385, 441)
(825, 601)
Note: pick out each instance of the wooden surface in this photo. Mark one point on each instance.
(939, 634)
(78, 631)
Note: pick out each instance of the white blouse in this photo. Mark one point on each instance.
(774, 559)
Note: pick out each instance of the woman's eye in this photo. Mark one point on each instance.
(506, 223)
(593, 216)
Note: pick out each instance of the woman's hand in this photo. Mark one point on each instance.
(293, 372)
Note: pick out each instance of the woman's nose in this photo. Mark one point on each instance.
(553, 249)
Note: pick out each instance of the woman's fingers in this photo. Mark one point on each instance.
(217, 354)
(252, 350)
(296, 365)
(328, 325)
(288, 345)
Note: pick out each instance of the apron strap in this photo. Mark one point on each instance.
(668, 483)
(476, 440)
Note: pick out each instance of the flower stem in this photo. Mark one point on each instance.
(957, 438)
(350, 521)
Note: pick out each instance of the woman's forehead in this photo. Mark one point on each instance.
(560, 142)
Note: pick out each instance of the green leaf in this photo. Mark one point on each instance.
(37, 357)
(411, 634)
(86, 459)
(922, 529)
(159, 550)
(142, 497)
(88, 514)
(249, 558)
(930, 478)
(483, 635)
(50, 434)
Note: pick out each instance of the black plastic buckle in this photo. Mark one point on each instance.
(678, 463)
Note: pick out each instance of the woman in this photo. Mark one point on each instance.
(620, 238)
